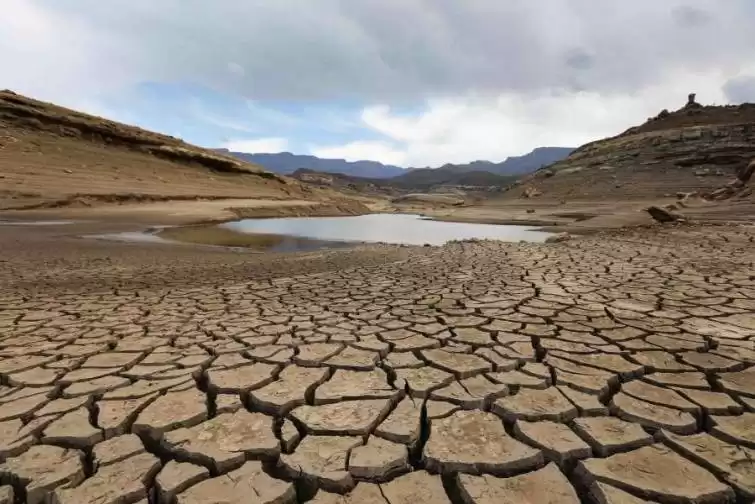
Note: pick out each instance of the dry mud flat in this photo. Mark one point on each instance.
(611, 369)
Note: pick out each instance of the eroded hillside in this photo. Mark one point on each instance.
(696, 148)
(50, 153)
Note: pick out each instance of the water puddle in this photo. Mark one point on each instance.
(214, 237)
(399, 229)
(130, 236)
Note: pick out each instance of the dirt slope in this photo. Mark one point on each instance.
(696, 148)
(50, 153)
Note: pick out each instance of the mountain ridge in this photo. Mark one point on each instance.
(695, 149)
(286, 163)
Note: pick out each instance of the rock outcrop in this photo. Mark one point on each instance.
(696, 148)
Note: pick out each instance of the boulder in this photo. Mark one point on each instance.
(662, 215)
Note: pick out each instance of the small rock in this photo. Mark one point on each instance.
(661, 215)
(560, 237)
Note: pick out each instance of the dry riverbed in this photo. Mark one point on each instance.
(616, 367)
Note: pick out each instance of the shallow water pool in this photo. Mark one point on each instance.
(404, 229)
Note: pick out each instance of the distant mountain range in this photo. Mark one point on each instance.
(286, 163)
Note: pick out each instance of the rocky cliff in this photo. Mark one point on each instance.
(696, 148)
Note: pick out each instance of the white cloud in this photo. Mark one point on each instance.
(464, 129)
(495, 78)
(236, 69)
(58, 56)
(258, 145)
(372, 50)
(361, 151)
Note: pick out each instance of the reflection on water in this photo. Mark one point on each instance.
(268, 243)
(387, 228)
(130, 236)
(300, 244)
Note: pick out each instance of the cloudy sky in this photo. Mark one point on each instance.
(407, 82)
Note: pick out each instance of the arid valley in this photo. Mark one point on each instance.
(612, 364)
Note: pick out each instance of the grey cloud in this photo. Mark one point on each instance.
(740, 89)
(687, 15)
(579, 59)
(404, 50)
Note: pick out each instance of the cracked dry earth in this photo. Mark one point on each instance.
(615, 369)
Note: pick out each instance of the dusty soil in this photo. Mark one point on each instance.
(50, 154)
(607, 368)
(55, 158)
(583, 217)
(191, 211)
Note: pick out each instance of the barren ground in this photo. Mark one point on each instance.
(614, 368)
